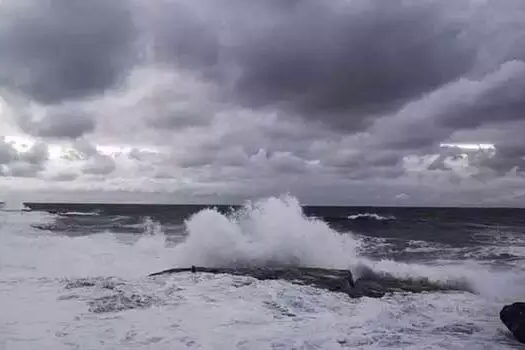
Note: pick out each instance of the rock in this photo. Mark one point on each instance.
(369, 284)
(513, 316)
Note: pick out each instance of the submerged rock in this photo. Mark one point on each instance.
(513, 316)
(370, 284)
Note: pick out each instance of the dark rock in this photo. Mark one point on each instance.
(370, 284)
(513, 316)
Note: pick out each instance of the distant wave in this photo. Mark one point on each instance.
(151, 227)
(373, 216)
(7, 210)
(79, 213)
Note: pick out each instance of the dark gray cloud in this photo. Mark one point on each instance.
(99, 165)
(485, 164)
(506, 158)
(95, 163)
(144, 156)
(60, 124)
(7, 152)
(262, 97)
(498, 98)
(343, 64)
(181, 36)
(54, 50)
(439, 163)
(22, 169)
(84, 149)
(177, 117)
(490, 101)
(333, 61)
(65, 177)
(37, 154)
(27, 163)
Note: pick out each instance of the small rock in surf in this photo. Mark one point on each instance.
(513, 316)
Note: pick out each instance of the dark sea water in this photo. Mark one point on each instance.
(495, 235)
(81, 268)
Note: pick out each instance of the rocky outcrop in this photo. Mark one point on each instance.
(513, 316)
(369, 284)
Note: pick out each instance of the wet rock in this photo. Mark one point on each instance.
(513, 316)
(369, 284)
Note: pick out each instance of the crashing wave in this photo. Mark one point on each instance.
(273, 231)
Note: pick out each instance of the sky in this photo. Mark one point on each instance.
(357, 102)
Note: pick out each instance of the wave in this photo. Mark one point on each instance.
(79, 213)
(273, 231)
(374, 216)
(14, 210)
(151, 227)
(270, 232)
(490, 282)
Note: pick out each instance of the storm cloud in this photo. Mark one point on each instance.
(60, 124)
(27, 163)
(54, 50)
(342, 65)
(335, 102)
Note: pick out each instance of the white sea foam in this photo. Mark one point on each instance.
(504, 285)
(32, 253)
(415, 246)
(373, 216)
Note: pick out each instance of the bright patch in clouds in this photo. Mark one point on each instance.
(20, 143)
(58, 150)
(24, 143)
(470, 146)
(113, 150)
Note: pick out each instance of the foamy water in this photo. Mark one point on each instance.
(90, 292)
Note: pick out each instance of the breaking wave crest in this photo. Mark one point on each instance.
(273, 231)
(372, 216)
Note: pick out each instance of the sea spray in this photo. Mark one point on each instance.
(273, 231)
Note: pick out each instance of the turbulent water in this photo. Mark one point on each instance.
(75, 277)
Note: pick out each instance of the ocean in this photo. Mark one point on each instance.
(75, 276)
